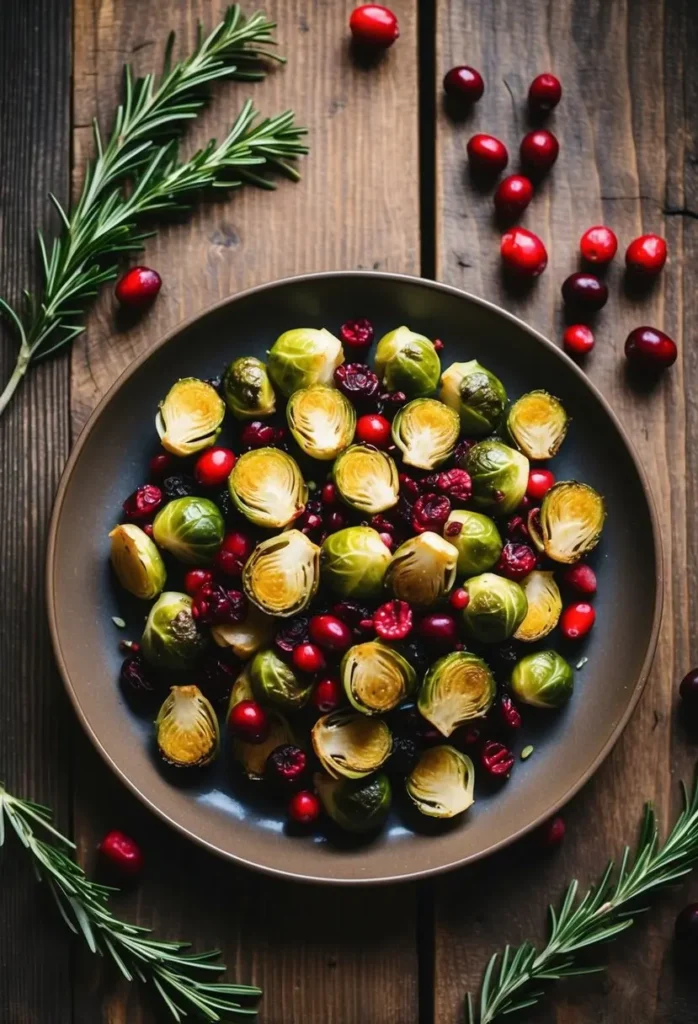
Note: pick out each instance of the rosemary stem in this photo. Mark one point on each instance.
(21, 367)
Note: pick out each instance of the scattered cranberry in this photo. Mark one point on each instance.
(581, 578)
(357, 333)
(258, 434)
(213, 468)
(585, 291)
(552, 832)
(516, 527)
(287, 764)
(509, 713)
(366, 626)
(328, 494)
(539, 149)
(358, 382)
(496, 758)
(544, 93)
(578, 339)
(440, 627)
(327, 695)
(336, 521)
(233, 554)
(329, 632)
(374, 26)
(293, 633)
(686, 926)
(516, 561)
(213, 604)
(160, 464)
(646, 254)
(598, 244)
(393, 621)
(351, 613)
(539, 483)
(650, 348)
(135, 675)
(148, 530)
(408, 487)
(391, 401)
(453, 529)
(373, 429)
(438, 345)
(455, 484)
(487, 154)
(688, 691)
(195, 579)
(308, 658)
(430, 512)
(143, 503)
(513, 196)
(464, 83)
(304, 807)
(523, 252)
(387, 539)
(461, 453)
(576, 620)
(122, 854)
(459, 599)
(248, 721)
(138, 287)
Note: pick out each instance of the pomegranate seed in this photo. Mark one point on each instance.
(460, 598)
(539, 483)
(330, 632)
(195, 579)
(576, 620)
(374, 26)
(539, 149)
(523, 253)
(646, 254)
(581, 578)
(430, 512)
(122, 854)
(487, 154)
(578, 339)
(438, 345)
(249, 721)
(509, 713)
(650, 348)
(552, 832)
(544, 93)
(356, 333)
(513, 196)
(214, 604)
(143, 503)
(464, 84)
(160, 465)
(598, 244)
(516, 561)
(440, 627)
(328, 494)
(213, 468)
(585, 291)
(327, 695)
(496, 758)
(304, 807)
(393, 621)
(373, 429)
(358, 382)
(138, 287)
(286, 764)
(308, 658)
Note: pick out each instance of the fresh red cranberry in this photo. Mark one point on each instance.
(578, 339)
(440, 627)
(646, 254)
(496, 758)
(327, 695)
(539, 149)
(329, 632)
(195, 579)
(686, 925)
(584, 291)
(464, 84)
(487, 154)
(215, 605)
(509, 713)
(148, 530)
(328, 494)
(580, 578)
(160, 464)
(516, 561)
(539, 483)
(513, 196)
(366, 627)
(336, 521)
(430, 512)
(544, 93)
(576, 620)
(304, 807)
(459, 599)
(374, 26)
(143, 503)
(293, 633)
(249, 721)
(388, 540)
(598, 244)
(258, 434)
(357, 334)
(122, 854)
(650, 348)
(357, 382)
(688, 690)
(373, 429)
(286, 765)
(438, 345)
(213, 468)
(552, 832)
(308, 658)
(136, 676)
(234, 552)
(138, 287)
(455, 484)
(523, 253)
(393, 621)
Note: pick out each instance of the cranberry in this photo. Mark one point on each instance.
(393, 621)
(148, 530)
(646, 254)
(293, 633)
(650, 348)
(552, 832)
(235, 550)
(459, 599)
(143, 503)
(136, 675)
(213, 468)
(351, 613)
(122, 854)
(249, 721)
(460, 455)
(576, 620)
(464, 84)
(688, 691)
(438, 345)
(336, 521)
(544, 92)
(304, 807)
(408, 487)
(578, 339)
(516, 527)
(138, 287)
(584, 291)
(523, 253)
(357, 333)
(195, 579)
(496, 758)
(391, 401)
(328, 494)
(373, 429)
(160, 464)
(327, 695)
(539, 149)
(516, 561)
(214, 604)
(388, 540)
(513, 196)
(178, 485)
(487, 154)
(439, 627)
(258, 435)
(686, 926)
(598, 244)
(539, 483)
(455, 484)
(453, 529)
(509, 713)
(308, 658)
(358, 382)
(430, 512)
(287, 765)
(374, 26)
(330, 632)
(581, 578)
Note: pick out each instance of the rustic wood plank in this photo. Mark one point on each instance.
(626, 126)
(321, 955)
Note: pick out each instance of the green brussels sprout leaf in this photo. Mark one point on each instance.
(302, 357)
(476, 539)
(408, 362)
(499, 475)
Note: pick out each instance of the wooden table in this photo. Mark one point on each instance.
(386, 188)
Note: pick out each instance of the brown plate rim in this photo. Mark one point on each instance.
(64, 484)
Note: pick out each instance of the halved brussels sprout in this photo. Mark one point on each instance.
(496, 608)
(571, 520)
(544, 606)
(171, 639)
(533, 524)
(241, 689)
(422, 569)
(353, 562)
(267, 486)
(537, 424)
(281, 575)
(350, 744)
(426, 432)
(356, 805)
(137, 561)
(274, 682)
(376, 677)
(246, 638)
(366, 479)
(302, 357)
(477, 540)
(456, 688)
(247, 389)
(442, 783)
(407, 362)
(499, 474)
(189, 417)
(191, 529)
(476, 395)
(543, 679)
(321, 420)
(186, 728)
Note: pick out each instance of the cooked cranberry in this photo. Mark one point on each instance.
(516, 561)
(513, 196)
(136, 675)
(143, 503)
(438, 345)
(249, 721)
(461, 453)
(160, 464)
(336, 521)
(688, 691)
(598, 244)
(178, 485)
(646, 254)
(357, 333)
(453, 529)
(539, 149)
(487, 154)
(509, 713)
(464, 83)
(327, 695)
(214, 604)
(585, 291)
(650, 348)
(460, 598)
(552, 832)
(523, 253)
(234, 552)
(122, 854)
(373, 429)
(328, 494)
(393, 621)
(330, 632)
(293, 633)
(408, 487)
(258, 434)
(576, 620)
(287, 765)
(544, 92)
(430, 512)
(374, 26)
(195, 579)
(358, 382)
(215, 677)
(516, 527)
(391, 402)
(466, 736)
(455, 484)
(581, 578)
(388, 540)
(213, 468)
(366, 627)
(539, 483)
(138, 287)
(578, 339)
(308, 658)
(439, 627)
(496, 758)
(381, 523)
(351, 613)
(304, 807)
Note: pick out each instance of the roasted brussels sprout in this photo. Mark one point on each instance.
(476, 395)
(571, 521)
(477, 540)
(537, 424)
(543, 679)
(247, 389)
(246, 638)
(282, 573)
(186, 728)
(442, 782)
(137, 561)
(456, 688)
(353, 562)
(321, 420)
(189, 417)
(496, 608)
(366, 479)
(426, 432)
(350, 744)
(422, 569)
(191, 529)
(171, 640)
(408, 362)
(376, 677)
(499, 474)
(241, 689)
(302, 357)
(356, 805)
(267, 486)
(274, 682)
(544, 606)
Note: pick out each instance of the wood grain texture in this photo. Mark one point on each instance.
(627, 130)
(322, 956)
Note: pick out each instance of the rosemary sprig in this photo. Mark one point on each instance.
(178, 977)
(511, 979)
